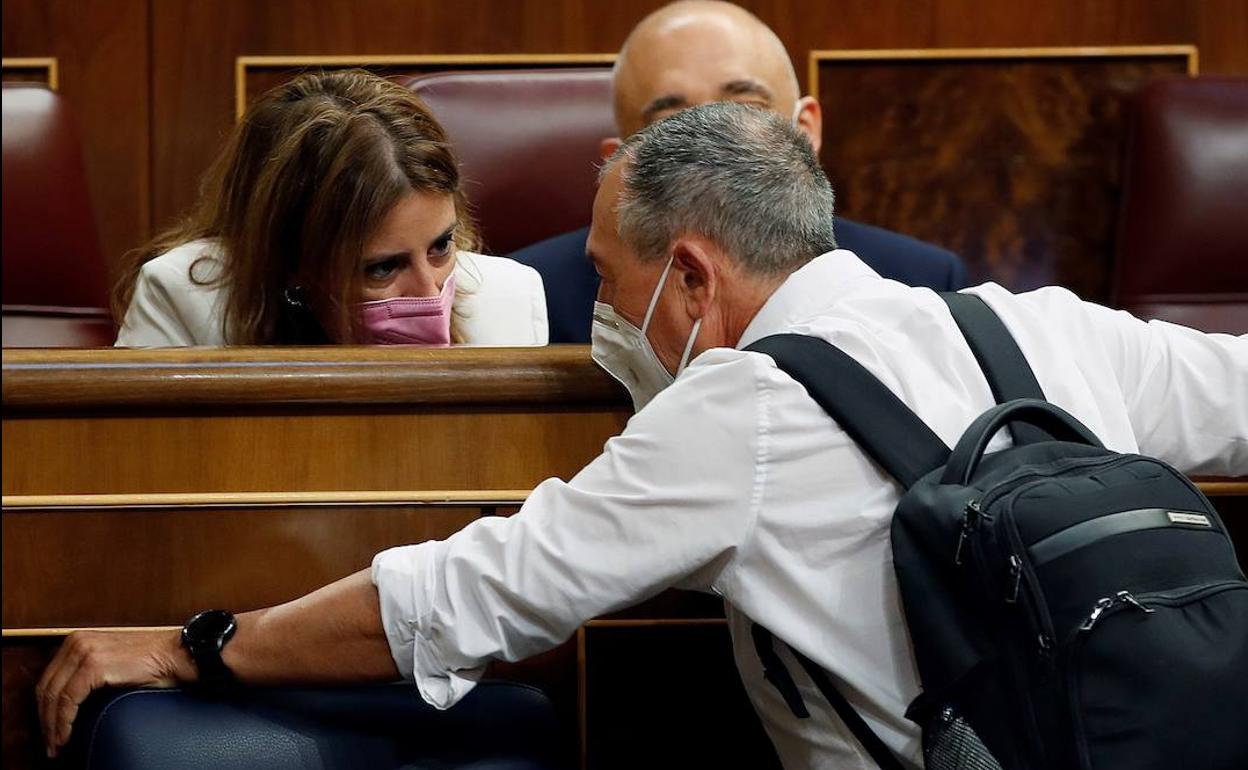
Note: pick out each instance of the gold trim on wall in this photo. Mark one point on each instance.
(465, 497)
(459, 61)
(363, 498)
(52, 633)
(46, 63)
(924, 54)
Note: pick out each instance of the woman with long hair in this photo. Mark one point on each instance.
(334, 215)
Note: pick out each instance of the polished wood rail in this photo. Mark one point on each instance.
(190, 377)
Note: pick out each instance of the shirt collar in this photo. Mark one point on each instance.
(812, 288)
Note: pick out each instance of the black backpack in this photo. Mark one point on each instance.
(1069, 607)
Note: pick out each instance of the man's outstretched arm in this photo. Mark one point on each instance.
(331, 635)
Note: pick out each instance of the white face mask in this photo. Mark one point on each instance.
(625, 353)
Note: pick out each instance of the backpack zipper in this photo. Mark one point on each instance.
(1103, 608)
(1020, 573)
(1020, 570)
(1052, 470)
(975, 510)
(970, 522)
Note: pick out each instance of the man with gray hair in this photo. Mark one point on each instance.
(705, 176)
(731, 479)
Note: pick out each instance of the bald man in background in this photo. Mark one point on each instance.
(696, 52)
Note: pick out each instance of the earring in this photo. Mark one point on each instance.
(293, 296)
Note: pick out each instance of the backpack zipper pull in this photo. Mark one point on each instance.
(1098, 609)
(1016, 578)
(1126, 596)
(970, 520)
(1101, 605)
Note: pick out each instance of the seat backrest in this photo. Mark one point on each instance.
(528, 142)
(55, 281)
(1183, 230)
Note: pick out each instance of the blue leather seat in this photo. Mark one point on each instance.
(498, 726)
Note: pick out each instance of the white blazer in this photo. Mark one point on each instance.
(176, 303)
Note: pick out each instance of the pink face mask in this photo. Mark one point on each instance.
(409, 320)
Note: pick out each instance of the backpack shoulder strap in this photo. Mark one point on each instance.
(879, 422)
(1009, 375)
(873, 744)
(891, 434)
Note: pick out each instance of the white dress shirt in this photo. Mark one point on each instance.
(734, 480)
(177, 303)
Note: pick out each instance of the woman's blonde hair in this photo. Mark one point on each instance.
(307, 175)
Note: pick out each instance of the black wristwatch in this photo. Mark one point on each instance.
(204, 636)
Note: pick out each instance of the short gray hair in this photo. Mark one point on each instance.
(739, 175)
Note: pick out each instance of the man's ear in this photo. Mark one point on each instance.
(693, 260)
(810, 121)
(607, 147)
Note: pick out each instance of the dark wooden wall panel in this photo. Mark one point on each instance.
(193, 123)
(1013, 163)
(153, 79)
(103, 56)
(158, 566)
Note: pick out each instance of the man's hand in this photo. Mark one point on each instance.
(331, 636)
(89, 660)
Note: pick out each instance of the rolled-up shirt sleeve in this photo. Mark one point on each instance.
(668, 503)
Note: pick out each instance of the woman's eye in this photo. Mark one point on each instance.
(379, 271)
(442, 247)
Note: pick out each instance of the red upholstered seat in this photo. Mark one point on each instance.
(528, 142)
(55, 280)
(1183, 238)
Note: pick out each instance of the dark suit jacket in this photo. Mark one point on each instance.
(571, 283)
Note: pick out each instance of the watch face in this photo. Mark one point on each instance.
(208, 630)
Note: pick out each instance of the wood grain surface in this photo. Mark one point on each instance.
(153, 82)
(1013, 162)
(60, 380)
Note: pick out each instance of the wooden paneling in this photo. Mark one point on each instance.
(139, 70)
(192, 128)
(145, 566)
(555, 375)
(253, 75)
(102, 51)
(1009, 157)
(21, 664)
(193, 123)
(274, 420)
(1221, 29)
(368, 449)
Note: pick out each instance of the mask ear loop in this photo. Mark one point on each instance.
(693, 337)
(654, 298)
